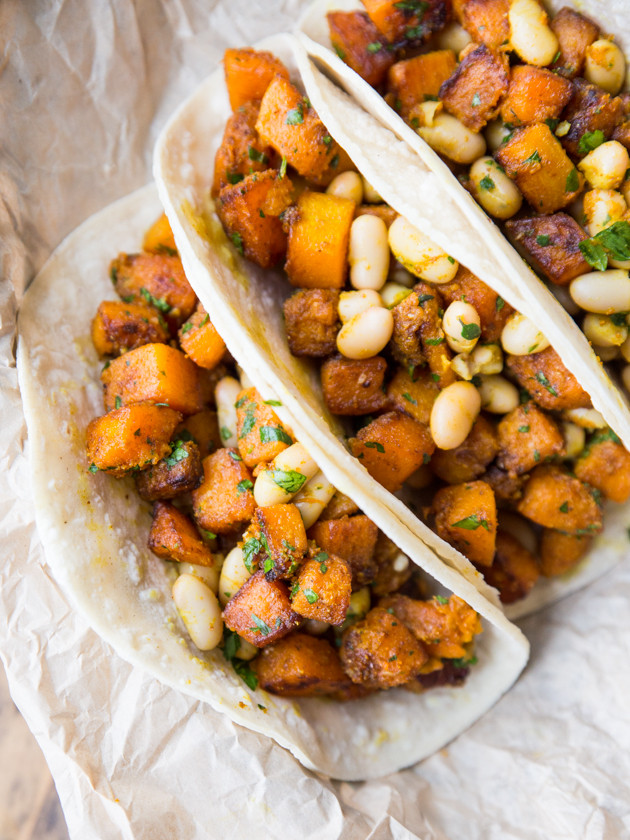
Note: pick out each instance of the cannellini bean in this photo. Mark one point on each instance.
(313, 498)
(602, 208)
(199, 610)
(399, 274)
(606, 354)
(587, 418)
(462, 326)
(366, 334)
(602, 292)
(495, 134)
(605, 167)
(314, 627)
(485, 358)
(246, 650)
(208, 574)
(347, 185)
(359, 604)
(419, 254)
(520, 529)
(625, 377)
(370, 196)
(451, 138)
(452, 37)
(289, 472)
(225, 394)
(496, 193)
(625, 350)
(520, 336)
(453, 414)
(234, 574)
(605, 65)
(426, 112)
(600, 330)
(530, 36)
(368, 252)
(353, 303)
(498, 395)
(574, 438)
(393, 293)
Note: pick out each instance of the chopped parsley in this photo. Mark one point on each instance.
(283, 167)
(543, 240)
(464, 663)
(470, 331)
(374, 47)
(310, 596)
(590, 140)
(296, 115)
(186, 328)
(249, 421)
(234, 177)
(533, 158)
(240, 402)
(572, 182)
(499, 304)
(422, 299)
(334, 162)
(93, 468)
(409, 398)
(564, 507)
(260, 626)
(612, 242)
(225, 433)
(159, 303)
(237, 239)
(440, 599)
(258, 157)
(475, 101)
(270, 434)
(250, 549)
(243, 485)
(178, 453)
(542, 379)
(117, 402)
(523, 429)
(486, 183)
(273, 402)
(339, 52)
(433, 341)
(374, 444)
(289, 480)
(268, 565)
(471, 523)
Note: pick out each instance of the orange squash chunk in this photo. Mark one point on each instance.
(534, 95)
(466, 517)
(605, 465)
(545, 377)
(312, 322)
(340, 505)
(200, 341)
(173, 536)
(515, 569)
(560, 552)
(493, 311)
(414, 80)
(260, 434)
(323, 588)
(118, 327)
(590, 109)
(469, 460)
(153, 373)
(260, 611)
(399, 22)
(555, 499)
(354, 386)
(356, 41)
(413, 395)
(130, 438)
(551, 245)
(241, 151)
(486, 21)
(224, 501)
(473, 92)
(159, 238)
(300, 665)
(575, 33)
(248, 73)
(283, 538)
(353, 538)
(527, 436)
(179, 472)
(203, 429)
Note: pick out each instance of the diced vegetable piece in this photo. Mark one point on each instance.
(118, 327)
(469, 460)
(487, 21)
(555, 499)
(551, 244)
(392, 447)
(353, 538)
(248, 73)
(159, 238)
(300, 666)
(407, 21)
(289, 124)
(203, 429)
(178, 472)
(383, 211)
(173, 536)
(527, 436)
(323, 588)
(475, 89)
(590, 109)
(200, 341)
(548, 381)
(340, 505)
(354, 386)
(534, 158)
(622, 134)
(224, 501)
(283, 538)
(515, 569)
(241, 151)
(249, 213)
(260, 611)
(317, 254)
(508, 487)
(493, 311)
(393, 568)
(260, 434)
(534, 95)
(452, 673)
(312, 322)
(560, 552)
(153, 373)
(415, 80)
(358, 42)
(157, 279)
(575, 32)
(466, 517)
(130, 438)
(605, 465)
(414, 395)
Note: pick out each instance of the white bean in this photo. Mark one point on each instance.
(313, 498)
(234, 574)
(452, 37)
(587, 418)
(359, 603)
(419, 254)
(574, 438)
(605, 65)
(521, 336)
(600, 330)
(366, 334)
(606, 354)
(368, 252)
(208, 574)
(199, 610)
(605, 167)
(625, 377)
(498, 395)
(353, 303)
(370, 196)
(314, 627)
(487, 358)
(451, 138)
(495, 133)
(602, 208)
(393, 293)
(246, 650)
(347, 185)
(462, 326)
(453, 414)
(602, 292)
(289, 472)
(225, 394)
(530, 36)
(399, 274)
(496, 193)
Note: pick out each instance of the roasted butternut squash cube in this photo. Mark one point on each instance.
(417, 79)
(575, 33)
(508, 487)
(153, 373)
(551, 244)
(353, 538)
(493, 311)
(534, 158)
(622, 134)
(118, 327)
(555, 499)
(469, 460)
(354, 386)
(466, 517)
(515, 569)
(312, 322)
(173, 536)
(178, 472)
(358, 42)
(590, 109)
(260, 434)
(605, 465)
(534, 95)
(393, 568)
(203, 429)
(548, 381)
(249, 212)
(130, 438)
(323, 588)
(159, 238)
(561, 552)
(486, 21)
(200, 341)
(317, 253)
(527, 436)
(224, 502)
(248, 73)
(392, 447)
(260, 611)
(413, 394)
(340, 505)
(283, 538)
(300, 666)
(241, 151)
(409, 21)
(475, 89)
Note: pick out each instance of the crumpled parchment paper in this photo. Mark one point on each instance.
(84, 88)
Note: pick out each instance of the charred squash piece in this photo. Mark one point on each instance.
(358, 42)
(561, 552)
(575, 33)
(173, 536)
(515, 570)
(159, 238)
(203, 429)
(300, 666)
(507, 487)
(353, 538)
(548, 381)
(200, 341)
(470, 459)
(590, 109)
(527, 436)
(415, 80)
(224, 502)
(466, 517)
(178, 472)
(354, 386)
(260, 611)
(312, 322)
(260, 434)
(555, 499)
(241, 151)
(551, 244)
(118, 327)
(283, 538)
(248, 73)
(486, 21)
(323, 588)
(393, 568)
(534, 95)
(340, 505)
(410, 20)
(413, 394)
(475, 89)
(493, 311)
(605, 465)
